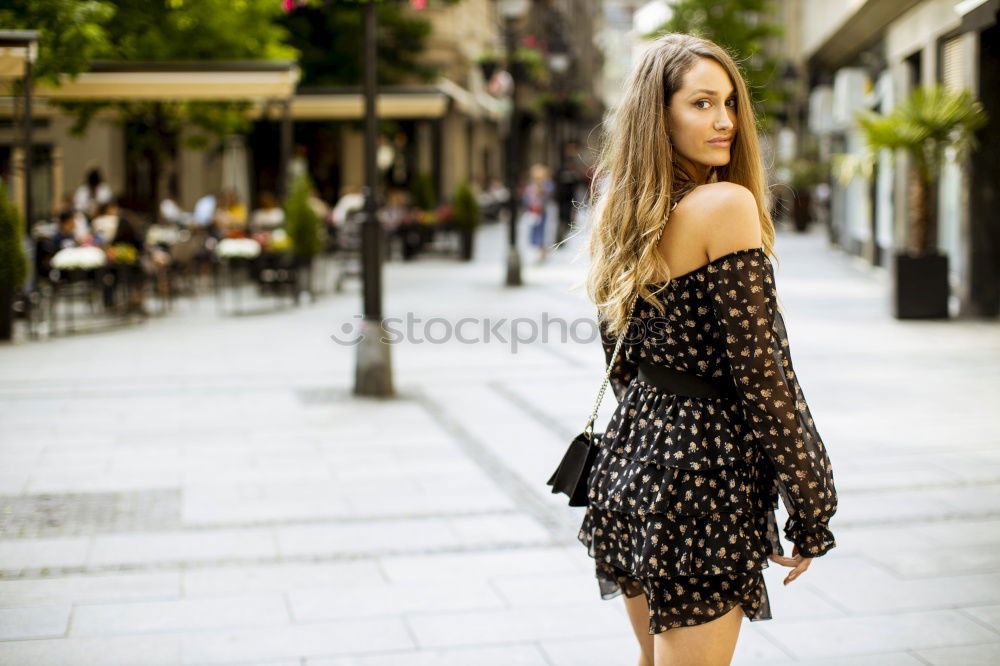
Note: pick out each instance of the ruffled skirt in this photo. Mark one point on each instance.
(681, 509)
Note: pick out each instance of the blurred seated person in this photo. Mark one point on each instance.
(172, 213)
(66, 234)
(351, 200)
(319, 206)
(396, 211)
(231, 215)
(81, 227)
(204, 211)
(269, 216)
(105, 225)
(126, 233)
(50, 239)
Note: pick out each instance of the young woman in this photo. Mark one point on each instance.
(712, 424)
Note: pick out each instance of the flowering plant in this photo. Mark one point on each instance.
(122, 253)
(274, 241)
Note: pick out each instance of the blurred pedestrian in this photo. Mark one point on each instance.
(568, 181)
(536, 198)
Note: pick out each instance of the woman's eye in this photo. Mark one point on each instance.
(705, 101)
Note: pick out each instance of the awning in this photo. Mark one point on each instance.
(411, 102)
(978, 15)
(210, 81)
(264, 83)
(863, 28)
(348, 106)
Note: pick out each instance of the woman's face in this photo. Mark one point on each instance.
(702, 113)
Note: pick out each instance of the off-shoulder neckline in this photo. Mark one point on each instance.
(711, 263)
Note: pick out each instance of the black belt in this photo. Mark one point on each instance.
(681, 383)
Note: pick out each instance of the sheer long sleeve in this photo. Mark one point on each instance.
(624, 370)
(756, 345)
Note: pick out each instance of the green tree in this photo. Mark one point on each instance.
(742, 27)
(71, 32)
(329, 35)
(157, 30)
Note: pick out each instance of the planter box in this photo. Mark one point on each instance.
(920, 286)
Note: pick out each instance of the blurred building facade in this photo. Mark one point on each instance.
(868, 54)
(450, 128)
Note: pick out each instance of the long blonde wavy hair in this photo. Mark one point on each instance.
(636, 177)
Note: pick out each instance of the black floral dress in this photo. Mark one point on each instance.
(683, 490)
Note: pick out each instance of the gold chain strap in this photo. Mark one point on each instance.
(614, 355)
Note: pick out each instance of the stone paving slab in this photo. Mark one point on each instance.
(32, 622)
(244, 610)
(495, 655)
(860, 634)
(92, 588)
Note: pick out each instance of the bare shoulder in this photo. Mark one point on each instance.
(727, 217)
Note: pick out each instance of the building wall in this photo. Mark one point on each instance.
(918, 29)
(619, 41)
(459, 33)
(196, 177)
(103, 145)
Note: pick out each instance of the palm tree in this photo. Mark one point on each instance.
(923, 126)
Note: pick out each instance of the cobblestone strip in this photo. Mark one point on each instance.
(524, 495)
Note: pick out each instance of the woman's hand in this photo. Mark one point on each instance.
(800, 563)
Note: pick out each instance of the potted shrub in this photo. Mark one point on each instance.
(923, 126)
(804, 174)
(13, 261)
(466, 218)
(421, 225)
(303, 226)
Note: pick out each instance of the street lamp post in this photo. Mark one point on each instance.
(559, 62)
(373, 372)
(26, 41)
(512, 10)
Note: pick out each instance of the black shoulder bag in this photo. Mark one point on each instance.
(571, 475)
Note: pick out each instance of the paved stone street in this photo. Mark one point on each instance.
(204, 489)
